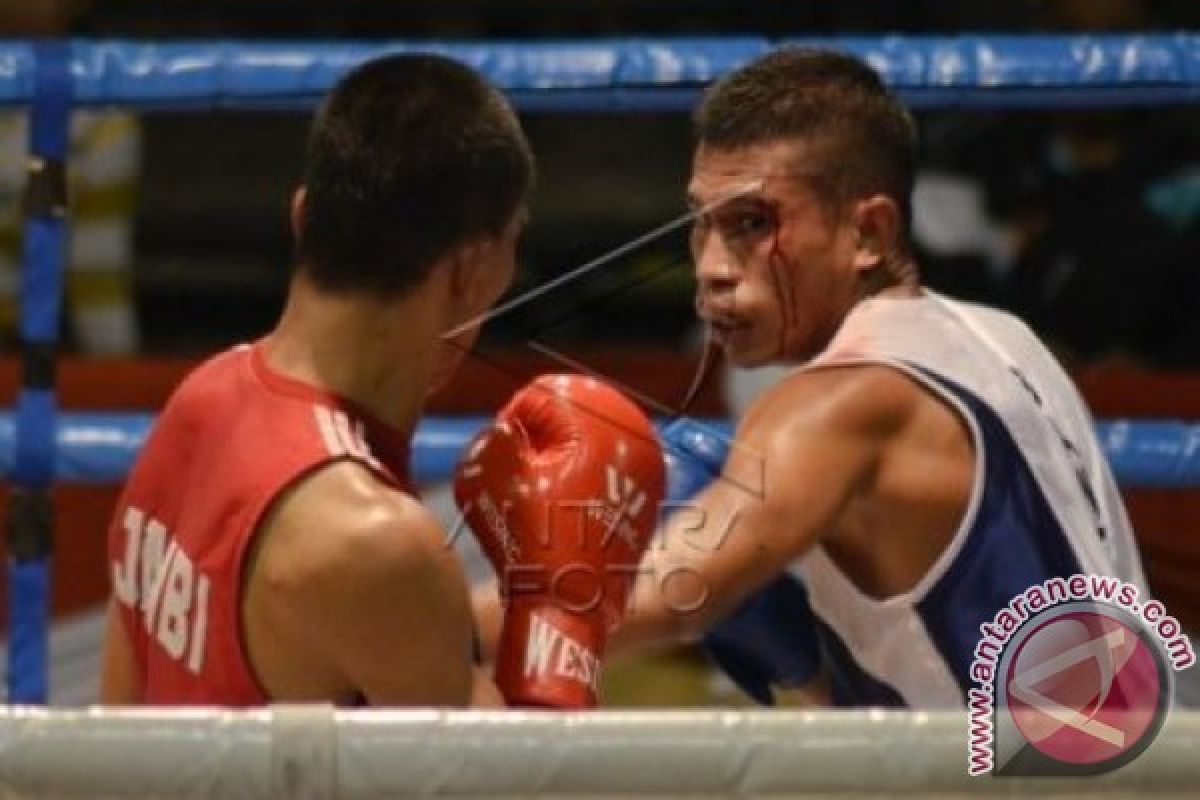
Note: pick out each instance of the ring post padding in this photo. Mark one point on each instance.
(30, 521)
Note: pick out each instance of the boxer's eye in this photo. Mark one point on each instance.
(745, 225)
(752, 223)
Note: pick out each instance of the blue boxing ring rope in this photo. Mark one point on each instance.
(638, 73)
(39, 446)
(99, 447)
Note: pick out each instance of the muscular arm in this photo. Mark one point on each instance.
(801, 455)
(355, 592)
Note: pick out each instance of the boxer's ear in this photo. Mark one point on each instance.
(468, 269)
(297, 212)
(876, 222)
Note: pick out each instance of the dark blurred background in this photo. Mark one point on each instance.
(1087, 223)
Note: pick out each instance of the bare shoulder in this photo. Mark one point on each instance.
(869, 401)
(358, 578)
(343, 527)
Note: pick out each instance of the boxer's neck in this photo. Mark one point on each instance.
(380, 354)
(897, 275)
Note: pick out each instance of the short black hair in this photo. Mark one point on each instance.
(825, 96)
(410, 155)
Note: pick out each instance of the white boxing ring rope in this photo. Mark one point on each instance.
(318, 752)
(315, 752)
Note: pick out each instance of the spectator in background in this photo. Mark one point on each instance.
(1085, 222)
(1109, 268)
(103, 171)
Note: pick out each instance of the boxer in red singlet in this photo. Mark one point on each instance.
(267, 546)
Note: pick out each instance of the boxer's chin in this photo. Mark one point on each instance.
(754, 363)
(746, 357)
(742, 348)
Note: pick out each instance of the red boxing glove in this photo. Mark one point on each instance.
(563, 493)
